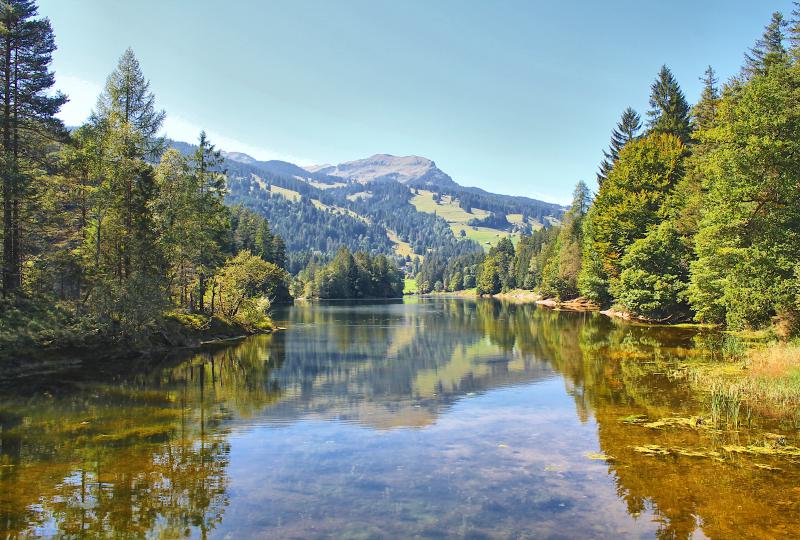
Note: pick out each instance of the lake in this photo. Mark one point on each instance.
(429, 418)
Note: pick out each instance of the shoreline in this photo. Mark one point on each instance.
(178, 334)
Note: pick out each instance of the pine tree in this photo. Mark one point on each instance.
(264, 241)
(706, 108)
(561, 271)
(669, 111)
(627, 129)
(604, 170)
(128, 275)
(768, 49)
(209, 180)
(27, 112)
(208, 161)
(278, 251)
(127, 99)
(176, 220)
(794, 33)
(126, 118)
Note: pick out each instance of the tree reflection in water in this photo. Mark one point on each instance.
(144, 448)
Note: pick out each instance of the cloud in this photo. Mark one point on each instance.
(83, 97)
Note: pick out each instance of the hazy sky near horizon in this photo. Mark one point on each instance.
(515, 97)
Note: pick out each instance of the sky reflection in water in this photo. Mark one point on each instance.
(435, 418)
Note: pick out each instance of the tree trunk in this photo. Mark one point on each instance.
(8, 175)
(15, 219)
(201, 291)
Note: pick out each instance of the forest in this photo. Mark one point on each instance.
(349, 275)
(108, 234)
(697, 215)
(111, 232)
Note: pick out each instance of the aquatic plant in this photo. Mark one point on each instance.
(728, 407)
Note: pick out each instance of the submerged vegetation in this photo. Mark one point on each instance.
(617, 420)
(762, 377)
(696, 219)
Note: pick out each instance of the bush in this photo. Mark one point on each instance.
(243, 288)
(654, 275)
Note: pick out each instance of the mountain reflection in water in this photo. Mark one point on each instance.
(432, 418)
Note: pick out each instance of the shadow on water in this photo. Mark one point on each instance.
(436, 418)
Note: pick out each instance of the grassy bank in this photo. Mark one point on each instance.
(743, 378)
(31, 329)
(464, 293)
(410, 286)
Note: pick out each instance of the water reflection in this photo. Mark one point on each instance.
(439, 418)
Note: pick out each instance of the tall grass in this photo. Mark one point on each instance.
(764, 378)
(774, 375)
(728, 406)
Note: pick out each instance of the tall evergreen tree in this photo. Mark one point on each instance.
(748, 243)
(278, 252)
(669, 111)
(627, 129)
(706, 108)
(27, 112)
(209, 180)
(128, 274)
(768, 49)
(560, 273)
(794, 33)
(127, 97)
(264, 241)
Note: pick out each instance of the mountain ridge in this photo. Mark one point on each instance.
(403, 206)
(412, 170)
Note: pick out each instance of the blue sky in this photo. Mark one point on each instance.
(515, 97)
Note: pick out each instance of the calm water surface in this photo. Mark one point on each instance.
(433, 419)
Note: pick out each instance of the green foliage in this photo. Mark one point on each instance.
(794, 33)
(352, 276)
(768, 50)
(654, 275)
(113, 243)
(706, 109)
(627, 129)
(251, 231)
(495, 273)
(592, 279)
(669, 111)
(37, 323)
(748, 242)
(561, 271)
(488, 281)
(244, 288)
(456, 282)
(28, 123)
(127, 100)
(629, 203)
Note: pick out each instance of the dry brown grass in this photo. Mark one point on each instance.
(773, 375)
(779, 360)
(763, 379)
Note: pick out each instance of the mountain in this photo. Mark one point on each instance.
(281, 168)
(401, 206)
(413, 171)
(241, 157)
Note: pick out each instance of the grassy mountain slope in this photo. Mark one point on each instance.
(409, 212)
